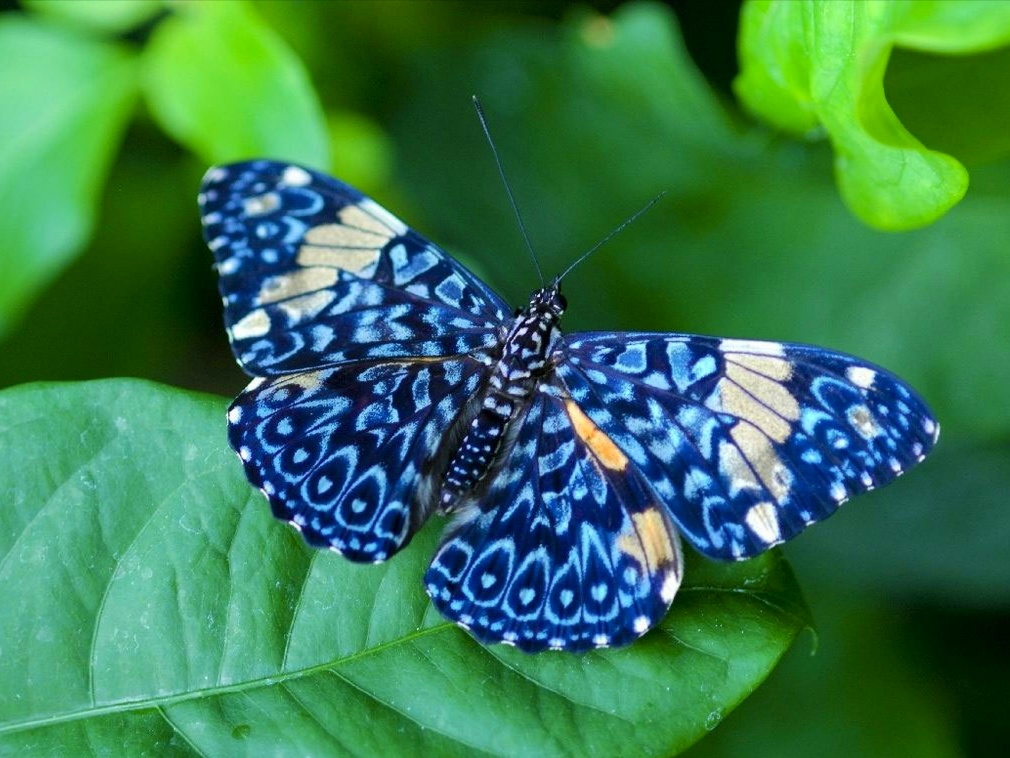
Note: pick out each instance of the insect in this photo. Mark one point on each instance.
(391, 384)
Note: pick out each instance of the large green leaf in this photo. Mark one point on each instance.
(151, 600)
(820, 64)
(65, 100)
(223, 84)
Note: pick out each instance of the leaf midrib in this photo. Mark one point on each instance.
(264, 681)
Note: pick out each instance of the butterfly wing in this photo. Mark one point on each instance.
(746, 442)
(346, 453)
(314, 274)
(567, 549)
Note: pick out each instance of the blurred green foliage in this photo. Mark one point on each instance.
(114, 109)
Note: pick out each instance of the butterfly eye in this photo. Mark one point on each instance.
(562, 301)
(518, 312)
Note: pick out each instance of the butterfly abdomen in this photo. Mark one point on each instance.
(477, 450)
(524, 358)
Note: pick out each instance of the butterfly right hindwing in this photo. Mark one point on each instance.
(567, 549)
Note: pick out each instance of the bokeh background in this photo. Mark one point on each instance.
(596, 108)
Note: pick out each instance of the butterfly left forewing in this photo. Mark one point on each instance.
(566, 549)
(313, 273)
(747, 442)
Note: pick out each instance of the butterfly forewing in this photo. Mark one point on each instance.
(746, 442)
(567, 549)
(313, 274)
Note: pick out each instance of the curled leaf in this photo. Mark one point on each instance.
(820, 64)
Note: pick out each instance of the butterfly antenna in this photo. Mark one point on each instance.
(508, 189)
(610, 236)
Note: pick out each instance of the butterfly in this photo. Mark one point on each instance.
(390, 383)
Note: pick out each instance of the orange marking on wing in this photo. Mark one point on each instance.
(601, 446)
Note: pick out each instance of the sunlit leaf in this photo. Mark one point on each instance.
(102, 15)
(150, 599)
(65, 100)
(820, 64)
(225, 85)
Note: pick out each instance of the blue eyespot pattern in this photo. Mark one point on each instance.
(390, 383)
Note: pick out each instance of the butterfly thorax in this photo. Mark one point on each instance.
(525, 357)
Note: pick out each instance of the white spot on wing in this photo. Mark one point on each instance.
(670, 586)
(228, 266)
(215, 174)
(861, 376)
(386, 218)
(260, 205)
(254, 324)
(763, 520)
(295, 176)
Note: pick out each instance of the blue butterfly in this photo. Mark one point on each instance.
(391, 383)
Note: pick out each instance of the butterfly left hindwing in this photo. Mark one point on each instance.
(341, 453)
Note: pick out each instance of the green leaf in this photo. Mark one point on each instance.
(64, 105)
(151, 600)
(102, 15)
(820, 64)
(222, 83)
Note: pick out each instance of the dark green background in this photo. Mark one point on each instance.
(909, 586)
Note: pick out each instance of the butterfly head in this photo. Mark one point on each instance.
(548, 301)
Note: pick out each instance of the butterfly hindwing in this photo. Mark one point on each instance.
(314, 274)
(567, 548)
(343, 453)
(746, 442)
